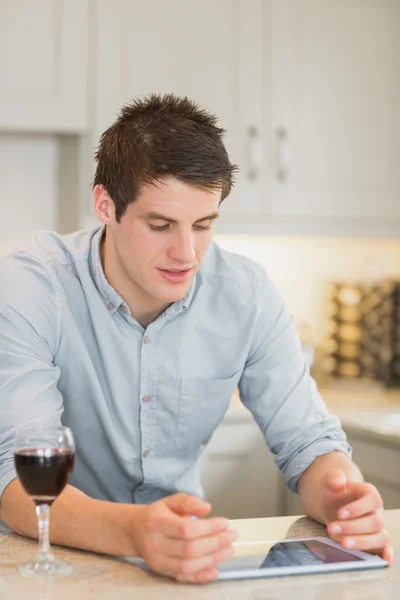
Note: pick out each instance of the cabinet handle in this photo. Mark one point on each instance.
(283, 154)
(255, 152)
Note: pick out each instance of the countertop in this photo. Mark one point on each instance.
(100, 577)
(365, 408)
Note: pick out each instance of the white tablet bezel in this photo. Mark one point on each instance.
(369, 561)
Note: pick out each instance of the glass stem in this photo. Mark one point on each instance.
(43, 517)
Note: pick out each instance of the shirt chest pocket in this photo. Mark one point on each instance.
(202, 405)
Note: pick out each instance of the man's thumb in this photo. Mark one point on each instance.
(186, 505)
(336, 479)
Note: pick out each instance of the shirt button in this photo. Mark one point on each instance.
(146, 339)
(123, 308)
(110, 306)
(146, 398)
(146, 453)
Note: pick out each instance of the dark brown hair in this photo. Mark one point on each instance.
(159, 136)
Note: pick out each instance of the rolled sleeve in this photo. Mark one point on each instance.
(28, 341)
(324, 437)
(278, 389)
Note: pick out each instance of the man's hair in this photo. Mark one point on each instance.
(161, 136)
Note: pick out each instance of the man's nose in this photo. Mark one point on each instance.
(183, 249)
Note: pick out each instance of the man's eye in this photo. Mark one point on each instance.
(159, 227)
(201, 227)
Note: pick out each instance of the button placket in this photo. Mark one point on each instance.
(147, 408)
(148, 390)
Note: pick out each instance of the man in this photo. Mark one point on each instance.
(136, 334)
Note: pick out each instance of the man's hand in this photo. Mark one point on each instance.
(174, 544)
(353, 514)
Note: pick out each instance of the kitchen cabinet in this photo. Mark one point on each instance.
(238, 472)
(308, 92)
(44, 53)
(210, 52)
(334, 80)
(327, 147)
(292, 504)
(379, 463)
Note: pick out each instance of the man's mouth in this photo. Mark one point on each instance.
(175, 275)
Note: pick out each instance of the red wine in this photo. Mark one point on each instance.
(43, 472)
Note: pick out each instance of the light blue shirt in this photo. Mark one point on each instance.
(143, 403)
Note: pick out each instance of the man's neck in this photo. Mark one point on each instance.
(144, 318)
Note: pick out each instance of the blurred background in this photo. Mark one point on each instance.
(309, 93)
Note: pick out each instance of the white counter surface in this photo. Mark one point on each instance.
(104, 578)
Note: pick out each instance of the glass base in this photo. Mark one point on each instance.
(48, 568)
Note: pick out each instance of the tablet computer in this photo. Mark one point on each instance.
(296, 557)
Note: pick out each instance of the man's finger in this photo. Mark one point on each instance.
(366, 542)
(388, 554)
(368, 503)
(372, 523)
(335, 479)
(184, 528)
(188, 567)
(198, 547)
(187, 505)
(201, 577)
(175, 567)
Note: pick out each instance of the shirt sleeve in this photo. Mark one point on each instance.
(277, 388)
(28, 343)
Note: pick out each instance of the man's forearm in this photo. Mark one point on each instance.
(76, 520)
(310, 486)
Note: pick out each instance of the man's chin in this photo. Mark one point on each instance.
(175, 293)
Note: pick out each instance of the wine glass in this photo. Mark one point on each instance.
(44, 459)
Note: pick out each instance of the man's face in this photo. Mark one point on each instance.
(162, 238)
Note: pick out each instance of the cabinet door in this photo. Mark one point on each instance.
(390, 495)
(44, 65)
(380, 465)
(238, 473)
(210, 51)
(292, 504)
(336, 119)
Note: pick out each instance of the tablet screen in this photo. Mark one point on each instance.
(311, 552)
(293, 553)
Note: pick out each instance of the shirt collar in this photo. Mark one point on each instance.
(111, 298)
(176, 307)
(189, 296)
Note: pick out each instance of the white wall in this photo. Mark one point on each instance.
(28, 186)
(301, 267)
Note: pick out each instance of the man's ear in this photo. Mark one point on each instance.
(103, 205)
